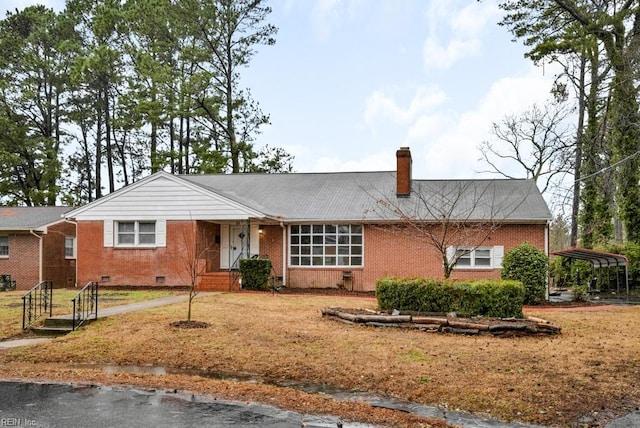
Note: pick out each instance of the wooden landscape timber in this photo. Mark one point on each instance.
(445, 323)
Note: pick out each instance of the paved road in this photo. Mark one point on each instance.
(68, 406)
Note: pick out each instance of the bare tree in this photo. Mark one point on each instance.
(197, 249)
(537, 144)
(454, 217)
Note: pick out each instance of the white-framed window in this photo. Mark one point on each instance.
(477, 257)
(326, 245)
(4, 246)
(69, 247)
(136, 233)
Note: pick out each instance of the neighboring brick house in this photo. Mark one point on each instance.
(36, 244)
(319, 229)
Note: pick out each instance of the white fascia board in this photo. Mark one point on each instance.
(74, 213)
(237, 211)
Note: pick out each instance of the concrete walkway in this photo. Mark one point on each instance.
(131, 307)
(23, 342)
(103, 313)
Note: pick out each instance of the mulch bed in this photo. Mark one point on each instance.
(189, 324)
(444, 323)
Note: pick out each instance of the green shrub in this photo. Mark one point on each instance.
(631, 251)
(579, 293)
(488, 298)
(255, 273)
(527, 264)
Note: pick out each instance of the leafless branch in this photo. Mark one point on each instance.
(537, 143)
(449, 214)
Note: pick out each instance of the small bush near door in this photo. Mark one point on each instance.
(255, 273)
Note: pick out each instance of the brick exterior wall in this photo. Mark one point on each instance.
(23, 263)
(271, 246)
(390, 253)
(56, 267)
(386, 252)
(162, 266)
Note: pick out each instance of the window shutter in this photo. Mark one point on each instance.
(108, 233)
(498, 254)
(224, 246)
(161, 233)
(451, 252)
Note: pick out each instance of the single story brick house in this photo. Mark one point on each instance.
(37, 243)
(319, 229)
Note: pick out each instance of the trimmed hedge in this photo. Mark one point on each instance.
(501, 299)
(255, 273)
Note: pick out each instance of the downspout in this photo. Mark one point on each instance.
(284, 254)
(75, 223)
(546, 250)
(40, 253)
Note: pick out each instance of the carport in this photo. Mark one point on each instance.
(600, 259)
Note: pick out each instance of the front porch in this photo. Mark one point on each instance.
(222, 244)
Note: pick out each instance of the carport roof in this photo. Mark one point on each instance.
(597, 258)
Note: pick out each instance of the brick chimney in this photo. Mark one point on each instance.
(403, 172)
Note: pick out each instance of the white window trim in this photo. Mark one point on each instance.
(74, 256)
(136, 234)
(5, 256)
(496, 253)
(325, 266)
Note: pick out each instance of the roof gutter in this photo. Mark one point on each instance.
(546, 250)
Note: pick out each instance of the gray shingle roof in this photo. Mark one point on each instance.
(362, 196)
(29, 218)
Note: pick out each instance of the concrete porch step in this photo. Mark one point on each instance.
(58, 322)
(55, 326)
(51, 331)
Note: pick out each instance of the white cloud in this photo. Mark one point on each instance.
(328, 14)
(463, 27)
(381, 106)
(324, 16)
(438, 56)
(472, 20)
(446, 143)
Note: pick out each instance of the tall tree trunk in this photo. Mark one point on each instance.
(98, 159)
(575, 208)
(154, 147)
(231, 132)
(107, 124)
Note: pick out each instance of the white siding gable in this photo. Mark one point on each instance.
(164, 197)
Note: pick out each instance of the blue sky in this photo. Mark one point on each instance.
(350, 81)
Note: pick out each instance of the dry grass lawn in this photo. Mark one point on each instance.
(591, 369)
(11, 305)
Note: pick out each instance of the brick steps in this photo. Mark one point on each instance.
(217, 281)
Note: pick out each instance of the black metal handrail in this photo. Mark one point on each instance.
(235, 271)
(36, 303)
(85, 304)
